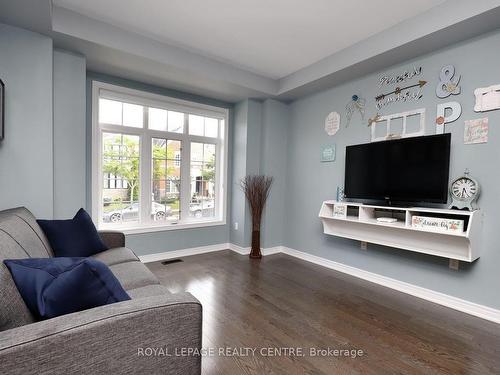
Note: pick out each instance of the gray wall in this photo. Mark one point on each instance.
(149, 243)
(238, 202)
(274, 142)
(260, 140)
(69, 134)
(309, 182)
(26, 152)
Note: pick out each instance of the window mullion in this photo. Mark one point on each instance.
(145, 173)
(185, 173)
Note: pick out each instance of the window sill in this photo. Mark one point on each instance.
(162, 228)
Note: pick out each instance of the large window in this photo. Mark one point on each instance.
(158, 163)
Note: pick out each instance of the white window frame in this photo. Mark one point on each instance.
(114, 92)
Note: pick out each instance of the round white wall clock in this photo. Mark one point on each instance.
(332, 123)
(464, 192)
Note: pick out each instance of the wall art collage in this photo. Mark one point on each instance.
(406, 87)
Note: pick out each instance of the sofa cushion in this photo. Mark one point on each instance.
(115, 256)
(75, 237)
(52, 287)
(133, 275)
(148, 291)
(13, 310)
(21, 226)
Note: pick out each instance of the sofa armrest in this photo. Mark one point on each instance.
(152, 335)
(112, 238)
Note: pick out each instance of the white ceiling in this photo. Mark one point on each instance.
(271, 38)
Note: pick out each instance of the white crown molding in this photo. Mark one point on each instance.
(76, 25)
(455, 303)
(142, 57)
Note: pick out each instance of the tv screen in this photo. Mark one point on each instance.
(405, 170)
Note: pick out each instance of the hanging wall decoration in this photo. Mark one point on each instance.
(441, 118)
(476, 131)
(402, 93)
(332, 123)
(390, 134)
(356, 104)
(448, 83)
(373, 120)
(328, 153)
(487, 98)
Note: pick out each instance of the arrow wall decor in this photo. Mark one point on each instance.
(398, 90)
(400, 94)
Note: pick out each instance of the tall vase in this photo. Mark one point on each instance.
(255, 251)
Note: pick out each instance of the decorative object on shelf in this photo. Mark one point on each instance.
(340, 194)
(464, 191)
(332, 123)
(487, 98)
(339, 211)
(442, 119)
(328, 153)
(357, 104)
(438, 224)
(404, 133)
(2, 109)
(448, 84)
(256, 189)
(399, 78)
(387, 220)
(476, 131)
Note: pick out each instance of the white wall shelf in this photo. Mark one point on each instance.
(361, 224)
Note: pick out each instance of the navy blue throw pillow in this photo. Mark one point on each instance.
(75, 237)
(56, 286)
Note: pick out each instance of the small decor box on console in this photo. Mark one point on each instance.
(339, 211)
(438, 224)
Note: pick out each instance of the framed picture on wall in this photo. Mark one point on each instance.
(2, 110)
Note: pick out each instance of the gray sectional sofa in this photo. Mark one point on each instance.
(118, 338)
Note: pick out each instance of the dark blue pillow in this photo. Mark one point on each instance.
(75, 237)
(56, 286)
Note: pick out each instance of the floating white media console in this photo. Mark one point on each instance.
(360, 223)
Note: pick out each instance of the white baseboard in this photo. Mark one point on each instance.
(467, 307)
(455, 303)
(265, 251)
(183, 253)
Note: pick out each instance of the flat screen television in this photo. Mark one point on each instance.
(408, 170)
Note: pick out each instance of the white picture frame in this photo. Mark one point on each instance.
(404, 133)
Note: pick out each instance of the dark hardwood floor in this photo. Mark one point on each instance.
(283, 302)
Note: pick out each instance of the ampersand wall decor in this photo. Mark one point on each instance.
(448, 84)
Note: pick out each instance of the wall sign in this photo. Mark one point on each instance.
(389, 134)
(400, 78)
(438, 224)
(476, 131)
(332, 123)
(448, 84)
(403, 93)
(357, 104)
(339, 211)
(400, 94)
(487, 98)
(442, 119)
(328, 153)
